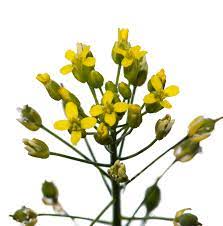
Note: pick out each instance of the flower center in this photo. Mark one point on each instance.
(108, 108)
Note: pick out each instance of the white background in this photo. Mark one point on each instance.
(184, 37)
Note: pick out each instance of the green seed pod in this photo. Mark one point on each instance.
(30, 118)
(50, 193)
(163, 127)
(26, 216)
(95, 79)
(188, 219)
(36, 148)
(134, 118)
(152, 198)
(124, 90)
(111, 87)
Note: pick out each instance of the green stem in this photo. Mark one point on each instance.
(118, 74)
(115, 187)
(94, 158)
(150, 164)
(149, 218)
(139, 152)
(133, 94)
(94, 94)
(73, 217)
(122, 137)
(80, 160)
(101, 213)
(218, 119)
(101, 91)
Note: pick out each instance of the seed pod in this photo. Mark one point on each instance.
(50, 193)
(188, 219)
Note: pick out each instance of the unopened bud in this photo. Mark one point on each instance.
(67, 96)
(134, 117)
(95, 79)
(36, 148)
(50, 193)
(26, 216)
(111, 87)
(118, 172)
(30, 118)
(102, 136)
(163, 127)
(124, 90)
(162, 76)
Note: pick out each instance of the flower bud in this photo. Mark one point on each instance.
(152, 198)
(111, 87)
(163, 127)
(25, 216)
(67, 96)
(124, 90)
(50, 193)
(186, 150)
(102, 136)
(188, 219)
(51, 86)
(134, 117)
(95, 79)
(118, 172)
(30, 118)
(36, 148)
(200, 128)
(162, 76)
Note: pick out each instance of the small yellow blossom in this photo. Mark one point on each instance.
(130, 55)
(108, 109)
(73, 123)
(83, 57)
(159, 95)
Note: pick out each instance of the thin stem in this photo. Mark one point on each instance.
(101, 91)
(149, 218)
(80, 160)
(94, 158)
(218, 119)
(142, 106)
(118, 74)
(139, 152)
(73, 217)
(121, 125)
(133, 94)
(94, 94)
(121, 148)
(150, 164)
(123, 136)
(101, 213)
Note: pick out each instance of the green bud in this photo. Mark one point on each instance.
(111, 86)
(51, 86)
(134, 117)
(95, 79)
(25, 216)
(124, 90)
(163, 127)
(36, 148)
(118, 172)
(50, 193)
(186, 150)
(188, 219)
(153, 108)
(30, 118)
(152, 198)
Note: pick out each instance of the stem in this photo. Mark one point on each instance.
(150, 164)
(133, 94)
(122, 137)
(139, 152)
(94, 158)
(216, 120)
(101, 213)
(115, 188)
(101, 91)
(148, 218)
(94, 94)
(72, 217)
(80, 160)
(118, 74)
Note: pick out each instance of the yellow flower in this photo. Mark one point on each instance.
(123, 35)
(108, 109)
(73, 123)
(159, 95)
(130, 55)
(78, 60)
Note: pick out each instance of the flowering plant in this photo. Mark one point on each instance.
(112, 117)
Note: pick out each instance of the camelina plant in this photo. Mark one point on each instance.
(112, 117)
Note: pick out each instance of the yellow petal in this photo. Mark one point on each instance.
(195, 125)
(123, 35)
(140, 55)
(120, 51)
(62, 125)
(96, 110)
(156, 83)
(75, 137)
(126, 62)
(108, 97)
(66, 69)
(110, 119)
(71, 111)
(70, 55)
(120, 107)
(150, 98)
(172, 91)
(89, 62)
(88, 122)
(198, 138)
(43, 78)
(166, 104)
